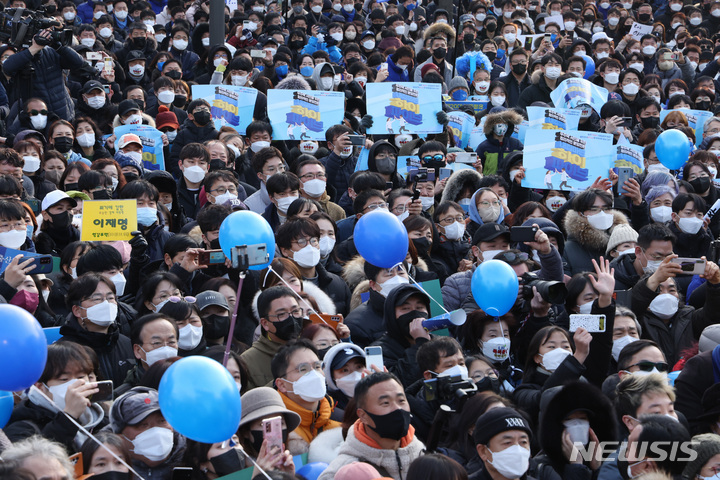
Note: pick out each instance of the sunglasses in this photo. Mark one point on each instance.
(176, 299)
(438, 158)
(512, 256)
(35, 112)
(647, 366)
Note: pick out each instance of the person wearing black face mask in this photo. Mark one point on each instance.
(405, 309)
(56, 231)
(215, 314)
(198, 128)
(280, 321)
(439, 50)
(260, 404)
(382, 432)
(647, 114)
(518, 80)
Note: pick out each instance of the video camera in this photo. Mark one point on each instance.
(550, 291)
(447, 388)
(18, 26)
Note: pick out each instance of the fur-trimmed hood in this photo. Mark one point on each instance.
(147, 120)
(325, 303)
(354, 272)
(506, 116)
(579, 229)
(444, 28)
(458, 180)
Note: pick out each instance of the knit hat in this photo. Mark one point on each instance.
(166, 118)
(389, 42)
(621, 234)
(709, 338)
(457, 82)
(125, 160)
(427, 67)
(496, 421)
(706, 446)
(357, 471)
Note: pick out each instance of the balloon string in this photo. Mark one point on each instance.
(310, 307)
(233, 321)
(253, 461)
(90, 435)
(422, 289)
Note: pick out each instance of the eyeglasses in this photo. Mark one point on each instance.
(512, 256)
(302, 242)
(494, 203)
(323, 344)
(223, 190)
(177, 299)
(400, 209)
(36, 112)
(313, 176)
(429, 158)
(304, 368)
(297, 313)
(99, 297)
(647, 366)
(375, 206)
(450, 220)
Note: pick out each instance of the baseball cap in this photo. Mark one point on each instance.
(92, 85)
(133, 407)
(498, 420)
(127, 139)
(343, 356)
(135, 55)
(55, 197)
(127, 106)
(208, 298)
(235, 204)
(489, 232)
(467, 18)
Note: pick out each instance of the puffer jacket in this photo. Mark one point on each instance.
(48, 79)
(103, 116)
(335, 288)
(584, 242)
(625, 274)
(491, 152)
(191, 133)
(682, 329)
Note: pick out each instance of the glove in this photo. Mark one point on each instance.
(442, 118)
(366, 121)
(320, 37)
(220, 68)
(138, 245)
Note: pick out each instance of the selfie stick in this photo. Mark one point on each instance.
(243, 266)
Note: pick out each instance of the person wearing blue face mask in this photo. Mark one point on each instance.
(458, 89)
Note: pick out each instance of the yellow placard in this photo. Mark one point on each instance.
(108, 220)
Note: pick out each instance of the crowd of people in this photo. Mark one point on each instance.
(519, 396)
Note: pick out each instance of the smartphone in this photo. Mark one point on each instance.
(388, 185)
(373, 356)
(422, 174)
(675, 56)
(690, 266)
(523, 234)
(357, 140)
(272, 432)
(257, 53)
(182, 473)
(466, 157)
(326, 318)
(591, 323)
(445, 173)
(384, 66)
(107, 89)
(211, 257)
(245, 24)
(548, 37)
(97, 56)
(627, 122)
(105, 393)
(624, 173)
(43, 263)
(109, 66)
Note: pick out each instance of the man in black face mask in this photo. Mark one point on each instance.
(280, 321)
(215, 314)
(198, 128)
(405, 309)
(518, 80)
(648, 115)
(381, 436)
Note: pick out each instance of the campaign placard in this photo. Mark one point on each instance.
(108, 220)
(304, 114)
(404, 107)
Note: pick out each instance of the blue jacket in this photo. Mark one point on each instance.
(188, 60)
(48, 81)
(85, 11)
(397, 74)
(313, 46)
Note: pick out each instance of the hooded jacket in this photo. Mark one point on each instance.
(399, 354)
(475, 220)
(317, 75)
(457, 182)
(203, 75)
(311, 424)
(366, 322)
(114, 351)
(584, 242)
(492, 152)
(397, 179)
(357, 449)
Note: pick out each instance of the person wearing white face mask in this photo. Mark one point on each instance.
(654, 243)
(366, 321)
(707, 464)
(300, 380)
(92, 322)
(155, 338)
(672, 324)
(343, 366)
(540, 92)
(688, 225)
(194, 166)
(588, 226)
(65, 385)
(153, 444)
(266, 163)
(283, 189)
(453, 248)
(313, 183)
(592, 293)
(502, 439)
(298, 239)
(625, 331)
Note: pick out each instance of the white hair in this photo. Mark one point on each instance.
(37, 446)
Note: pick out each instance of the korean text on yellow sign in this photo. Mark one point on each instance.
(108, 220)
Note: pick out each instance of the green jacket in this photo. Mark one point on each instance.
(258, 358)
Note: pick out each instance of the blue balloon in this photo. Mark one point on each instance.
(6, 407)
(494, 287)
(22, 345)
(246, 228)
(311, 471)
(589, 66)
(52, 334)
(381, 238)
(200, 399)
(672, 148)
